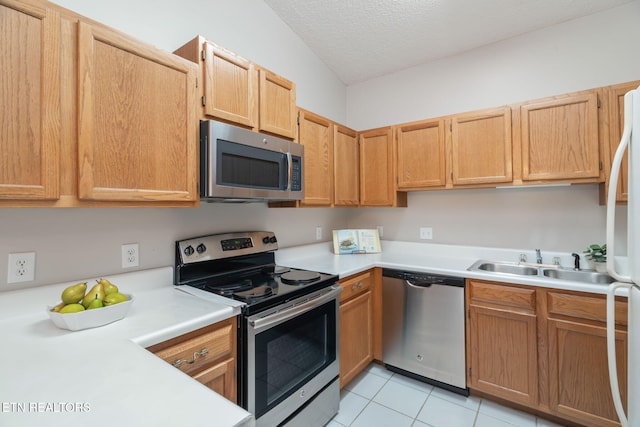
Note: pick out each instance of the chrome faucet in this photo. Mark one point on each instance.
(538, 256)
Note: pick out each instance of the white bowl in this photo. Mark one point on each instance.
(91, 318)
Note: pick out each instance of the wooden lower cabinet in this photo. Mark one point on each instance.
(356, 325)
(207, 354)
(502, 341)
(578, 373)
(544, 349)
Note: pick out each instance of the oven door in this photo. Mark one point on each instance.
(292, 357)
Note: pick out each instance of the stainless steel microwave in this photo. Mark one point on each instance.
(238, 165)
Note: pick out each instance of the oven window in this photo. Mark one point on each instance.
(290, 354)
(246, 166)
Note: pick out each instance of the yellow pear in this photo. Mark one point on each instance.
(58, 307)
(74, 293)
(72, 308)
(114, 299)
(97, 292)
(109, 288)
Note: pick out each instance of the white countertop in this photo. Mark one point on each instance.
(104, 376)
(450, 260)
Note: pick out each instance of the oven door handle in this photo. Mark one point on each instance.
(296, 310)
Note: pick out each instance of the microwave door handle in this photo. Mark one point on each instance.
(289, 170)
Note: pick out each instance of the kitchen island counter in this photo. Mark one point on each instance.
(104, 376)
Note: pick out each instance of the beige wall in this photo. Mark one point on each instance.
(76, 243)
(594, 51)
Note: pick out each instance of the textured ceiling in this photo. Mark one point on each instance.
(362, 39)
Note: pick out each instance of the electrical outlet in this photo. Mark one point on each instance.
(426, 233)
(380, 230)
(21, 267)
(318, 233)
(130, 255)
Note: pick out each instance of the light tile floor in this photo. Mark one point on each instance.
(381, 398)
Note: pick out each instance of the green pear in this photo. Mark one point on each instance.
(114, 299)
(71, 308)
(109, 288)
(97, 292)
(96, 303)
(74, 293)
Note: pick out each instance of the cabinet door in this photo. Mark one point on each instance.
(356, 336)
(230, 86)
(560, 138)
(136, 120)
(316, 134)
(346, 167)
(578, 371)
(376, 172)
(578, 365)
(616, 123)
(277, 106)
(502, 341)
(29, 101)
(421, 155)
(220, 378)
(481, 147)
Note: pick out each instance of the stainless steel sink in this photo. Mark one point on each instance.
(543, 271)
(586, 276)
(504, 267)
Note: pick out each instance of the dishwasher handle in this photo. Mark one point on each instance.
(418, 284)
(423, 280)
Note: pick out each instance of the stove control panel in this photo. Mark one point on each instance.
(218, 246)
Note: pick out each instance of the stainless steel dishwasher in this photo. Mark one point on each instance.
(424, 327)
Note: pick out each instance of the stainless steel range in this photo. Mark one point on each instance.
(288, 362)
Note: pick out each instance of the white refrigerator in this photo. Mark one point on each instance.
(627, 275)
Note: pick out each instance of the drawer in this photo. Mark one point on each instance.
(501, 295)
(355, 285)
(584, 307)
(195, 350)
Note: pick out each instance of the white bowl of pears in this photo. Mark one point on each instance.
(79, 309)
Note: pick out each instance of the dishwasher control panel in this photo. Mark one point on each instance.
(423, 279)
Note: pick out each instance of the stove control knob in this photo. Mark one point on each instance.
(201, 248)
(273, 239)
(265, 239)
(188, 251)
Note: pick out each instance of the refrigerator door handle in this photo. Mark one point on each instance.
(613, 187)
(611, 350)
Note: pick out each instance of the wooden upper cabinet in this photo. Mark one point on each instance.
(241, 92)
(559, 138)
(29, 101)
(316, 134)
(420, 156)
(346, 167)
(137, 125)
(615, 99)
(376, 169)
(277, 104)
(481, 147)
(230, 86)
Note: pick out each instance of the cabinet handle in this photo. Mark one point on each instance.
(200, 353)
(356, 286)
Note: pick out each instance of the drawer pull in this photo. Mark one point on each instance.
(200, 353)
(356, 286)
